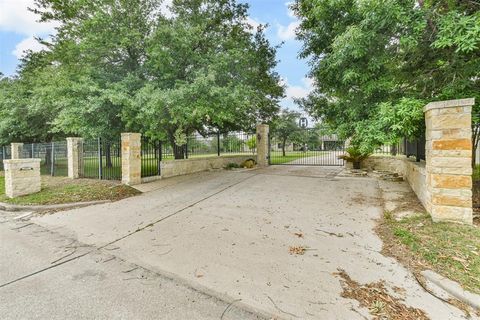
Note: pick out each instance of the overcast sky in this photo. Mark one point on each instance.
(18, 27)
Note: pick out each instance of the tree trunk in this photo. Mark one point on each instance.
(475, 137)
(178, 152)
(393, 150)
(108, 155)
(283, 147)
(48, 157)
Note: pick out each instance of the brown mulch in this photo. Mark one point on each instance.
(379, 302)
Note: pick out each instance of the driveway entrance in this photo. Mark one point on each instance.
(235, 236)
(305, 147)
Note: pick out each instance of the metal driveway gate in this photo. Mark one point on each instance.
(305, 146)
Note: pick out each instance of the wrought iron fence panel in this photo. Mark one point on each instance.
(214, 144)
(102, 159)
(5, 153)
(151, 154)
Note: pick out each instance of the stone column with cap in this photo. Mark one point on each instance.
(449, 160)
(131, 158)
(17, 150)
(262, 145)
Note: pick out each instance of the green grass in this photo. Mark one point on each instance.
(276, 157)
(476, 173)
(57, 190)
(452, 250)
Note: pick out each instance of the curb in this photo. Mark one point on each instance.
(12, 207)
(452, 288)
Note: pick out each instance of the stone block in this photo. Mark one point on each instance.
(450, 153)
(450, 162)
(452, 214)
(457, 144)
(447, 181)
(451, 121)
(22, 177)
(451, 200)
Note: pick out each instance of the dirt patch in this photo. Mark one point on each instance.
(378, 301)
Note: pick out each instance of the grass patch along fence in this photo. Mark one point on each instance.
(452, 250)
(59, 190)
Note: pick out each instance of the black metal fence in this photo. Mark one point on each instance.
(151, 157)
(5, 153)
(101, 159)
(194, 146)
(53, 157)
(410, 148)
(415, 148)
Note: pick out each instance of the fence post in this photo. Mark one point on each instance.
(131, 158)
(218, 143)
(448, 160)
(262, 145)
(52, 161)
(16, 150)
(74, 157)
(100, 160)
(159, 167)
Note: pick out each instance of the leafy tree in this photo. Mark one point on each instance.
(24, 117)
(231, 143)
(252, 144)
(376, 63)
(122, 65)
(285, 128)
(208, 71)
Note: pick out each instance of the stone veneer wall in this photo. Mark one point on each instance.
(443, 182)
(172, 168)
(413, 172)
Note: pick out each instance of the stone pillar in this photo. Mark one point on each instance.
(17, 150)
(131, 158)
(449, 160)
(74, 157)
(22, 177)
(262, 145)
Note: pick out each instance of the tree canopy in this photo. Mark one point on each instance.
(128, 65)
(377, 63)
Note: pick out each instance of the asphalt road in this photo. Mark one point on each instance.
(44, 275)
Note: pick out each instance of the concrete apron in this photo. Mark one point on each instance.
(230, 235)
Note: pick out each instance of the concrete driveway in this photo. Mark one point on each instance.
(228, 234)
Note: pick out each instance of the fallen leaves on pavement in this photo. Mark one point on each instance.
(375, 298)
